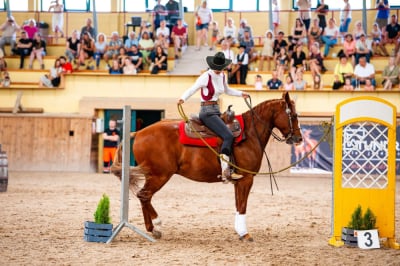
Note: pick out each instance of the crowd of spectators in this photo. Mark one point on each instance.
(285, 56)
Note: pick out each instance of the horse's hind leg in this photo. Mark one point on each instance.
(151, 186)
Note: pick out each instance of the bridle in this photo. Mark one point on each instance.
(289, 137)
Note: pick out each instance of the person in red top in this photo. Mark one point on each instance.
(179, 35)
(66, 66)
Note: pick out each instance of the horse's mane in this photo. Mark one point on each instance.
(260, 108)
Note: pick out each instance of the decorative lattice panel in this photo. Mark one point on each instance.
(364, 155)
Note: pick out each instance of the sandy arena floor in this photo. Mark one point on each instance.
(42, 216)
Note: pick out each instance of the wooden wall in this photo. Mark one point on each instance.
(47, 142)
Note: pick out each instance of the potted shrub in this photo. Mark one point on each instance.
(101, 229)
(358, 222)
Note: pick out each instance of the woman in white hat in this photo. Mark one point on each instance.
(213, 84)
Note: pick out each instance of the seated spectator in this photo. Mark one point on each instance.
(267, 51)
(363, 48)
(38, 50)
(243, 26)
(5, 80)
(299, 83)
(282, 61)
(113, 47)
(30, 28)
(122, 56)
(392, 34)
(349, 48)
(248, 42)
(129, 68)
(115, 69)
(299, 32)
(368, 85)
(347, 84)
(317, 82)
(376, 35)
(24, 47)
(87, 49)
(298, 59)
(331, 33)
(179, 37)
(316, 61)
(164, 30)
(229, 32)
(100, 48)
(258, 83)
(242, 65)
(130, 42)
(358, 30)
(363, 71)
(137, 58)
(274, 83)
(159, 60)
(229, 54)
(65, 66)
(279, 42)
(88, 28)
(314, 33)
(9, 36)
(288, 86)
(390, 74)
(162, 41)
(72, 46)
(146, 45)
(145, 27)
(53, 78)
(343, 70)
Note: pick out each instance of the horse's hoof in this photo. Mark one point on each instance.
(156, 234)
(246, 237)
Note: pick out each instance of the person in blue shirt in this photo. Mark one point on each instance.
(274, 83)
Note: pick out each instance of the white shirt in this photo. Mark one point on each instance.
(164, 31)
(230, 54)
(230, 31)
(304, 9)
(364, 72)
(204, 14)
(220, 86)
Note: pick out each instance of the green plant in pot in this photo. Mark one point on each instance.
(358, 222)
(101, 229)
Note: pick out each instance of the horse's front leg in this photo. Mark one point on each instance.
(242, 190)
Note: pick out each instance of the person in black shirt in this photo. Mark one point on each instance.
(111, 137)
(24, 47)
(278, 44)
(274, 83)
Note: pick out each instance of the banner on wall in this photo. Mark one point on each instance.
(320, 161)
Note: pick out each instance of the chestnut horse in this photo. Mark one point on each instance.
(159, 155)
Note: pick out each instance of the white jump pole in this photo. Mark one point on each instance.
(125, 179)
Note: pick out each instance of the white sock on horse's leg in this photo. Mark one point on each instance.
(156, 221)
(240, 224)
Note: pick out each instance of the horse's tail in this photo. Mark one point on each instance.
(135, 173)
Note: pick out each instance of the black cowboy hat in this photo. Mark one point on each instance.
(218, 61)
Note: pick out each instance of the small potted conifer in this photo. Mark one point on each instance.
(101, 229)
(358, 222)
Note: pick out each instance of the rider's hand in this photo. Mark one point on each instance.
(245, 95)
(181, 101)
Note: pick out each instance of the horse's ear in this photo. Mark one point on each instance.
(286, 96)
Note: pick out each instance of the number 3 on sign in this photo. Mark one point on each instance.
(367, 239)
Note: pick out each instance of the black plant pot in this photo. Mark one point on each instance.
(348, 237)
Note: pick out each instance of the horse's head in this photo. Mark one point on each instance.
(287, 121)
